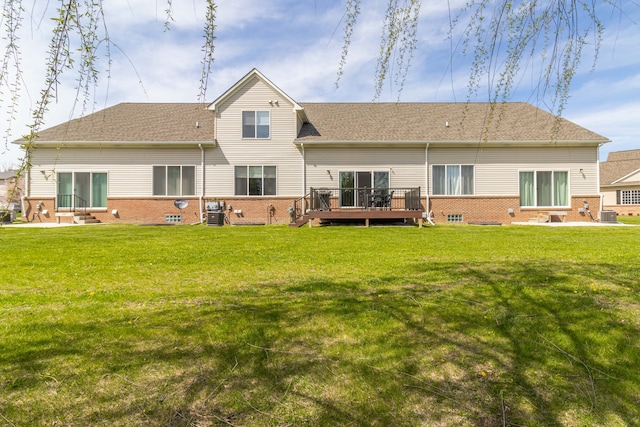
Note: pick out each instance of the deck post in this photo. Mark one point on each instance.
(366, 222)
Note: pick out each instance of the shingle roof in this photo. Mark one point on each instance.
(618, 165)
(333, 123)
(8, 174)
(137, 122)
(427, 122)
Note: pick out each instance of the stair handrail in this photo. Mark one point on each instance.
(83, 204)
(298, 208)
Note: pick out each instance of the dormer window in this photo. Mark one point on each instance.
(255, 124)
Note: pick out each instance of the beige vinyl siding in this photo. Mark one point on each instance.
(255, 96)
(497, 169)
(632, 178)
(129, 170)
(609, 197)
(278, 150)
(406, 165)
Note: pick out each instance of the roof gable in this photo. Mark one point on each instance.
(621, 168)
(240, 84)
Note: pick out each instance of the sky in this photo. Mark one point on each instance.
(297, 45)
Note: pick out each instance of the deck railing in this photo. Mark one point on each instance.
(365, 198)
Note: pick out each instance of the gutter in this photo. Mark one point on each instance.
(455, 143)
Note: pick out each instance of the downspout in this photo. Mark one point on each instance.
(426, 177)
(598, 177)
(27, 192)
(304, 178)
(201, 198)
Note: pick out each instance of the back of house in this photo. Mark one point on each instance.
(263, 158)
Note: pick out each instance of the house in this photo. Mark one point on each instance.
(265, 158)
(620, 182)
(10, 189)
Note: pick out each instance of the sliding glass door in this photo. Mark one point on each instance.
(82, 190)
(354, 186)
(544, 189)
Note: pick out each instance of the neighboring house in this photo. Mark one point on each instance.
(269, 159)
(620, 182)
(10, 192)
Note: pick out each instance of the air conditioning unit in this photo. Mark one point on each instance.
(608, 216)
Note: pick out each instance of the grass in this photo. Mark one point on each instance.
(254, 326)
(627, 219)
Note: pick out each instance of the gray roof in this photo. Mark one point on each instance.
(333, 123)
(133, 122)
(427, 122)
(8, 174)
(618, 165)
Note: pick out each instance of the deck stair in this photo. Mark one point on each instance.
(541, 217)
(85, 219)
(77, 217)
(300, 221)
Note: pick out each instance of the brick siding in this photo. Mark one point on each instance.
(243, 211)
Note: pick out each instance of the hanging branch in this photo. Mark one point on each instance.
(399, 36)
(10, 69)
(505, 35)
(208, 48)
(352, 12)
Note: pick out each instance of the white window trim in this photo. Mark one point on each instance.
(262, 177)
(445, 176)
(633, 197)
(535, 193)
(166, 180)
(249, 138)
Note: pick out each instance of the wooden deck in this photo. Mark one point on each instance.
(366, 215)
(366, 204)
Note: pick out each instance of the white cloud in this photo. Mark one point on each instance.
(297, 44)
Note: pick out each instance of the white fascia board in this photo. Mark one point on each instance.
(242, 81)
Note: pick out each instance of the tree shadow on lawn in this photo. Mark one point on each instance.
(505, 344)
(565, 349)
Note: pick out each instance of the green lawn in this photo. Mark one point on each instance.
(626, 219)
(254, 326)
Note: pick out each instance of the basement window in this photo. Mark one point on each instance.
(457, 218)
(173, 218)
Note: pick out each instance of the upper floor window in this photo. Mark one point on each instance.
(174, 180)
(255, 124)
(453, 180)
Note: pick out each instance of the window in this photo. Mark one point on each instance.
(255, 124)
(353, 186)
(82, 189)
(454, 218)
(453, 180)
(544, 188)
(255, 181)
(174, 180)
(628, 197)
